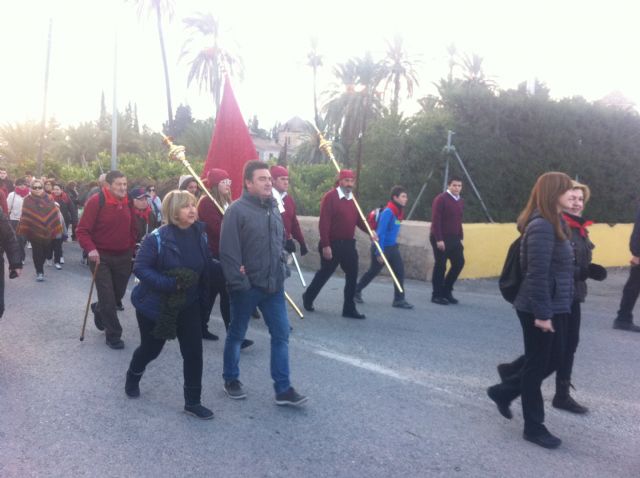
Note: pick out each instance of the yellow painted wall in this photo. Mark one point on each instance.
(485, 247)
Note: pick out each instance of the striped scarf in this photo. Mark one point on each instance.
(39, 218)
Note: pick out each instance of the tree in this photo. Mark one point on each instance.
(398, 68)
(210, 61)
(314, 60)
(160, 8)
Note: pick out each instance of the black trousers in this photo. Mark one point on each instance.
(54, 251)
(22, 242)
(39, 248)
(394, 258)
(189, 334)
(630, 295)
(565, 367)
(454, 253)
(543, 352)
(345, 255)
(111, 284)
(218, 287)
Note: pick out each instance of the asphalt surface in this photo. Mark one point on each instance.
(401, 393)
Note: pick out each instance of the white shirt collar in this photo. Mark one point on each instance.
(457, 198)
(342, 195)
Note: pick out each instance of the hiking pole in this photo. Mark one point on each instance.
(177, 153)
(325, 147)
(86, 310)
(295, 261)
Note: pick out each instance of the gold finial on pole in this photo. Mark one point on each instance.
(177, 153)
(325, 147)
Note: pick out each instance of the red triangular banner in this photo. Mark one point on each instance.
(231, 145)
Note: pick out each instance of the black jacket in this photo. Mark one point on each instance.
(548, 266)
(582, 249)
(634, 241)
(8, 245)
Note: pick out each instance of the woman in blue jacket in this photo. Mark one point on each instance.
(172, 266)
(543, 303)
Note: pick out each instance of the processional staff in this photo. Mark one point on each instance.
(325, 147)
(177, 153)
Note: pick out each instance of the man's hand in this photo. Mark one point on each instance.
(635, 261)
(374, 236)
(290, 246)
(440, 245)
(380, 260)
(94, 256)
(303, 249)
(544, 325)
(326, 253)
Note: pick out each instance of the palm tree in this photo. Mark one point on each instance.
(473, 73)
(210, 62)
(314, 60)
(160, 8)
(398, 68)
(354, 103)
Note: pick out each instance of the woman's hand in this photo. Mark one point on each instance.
(544, 325)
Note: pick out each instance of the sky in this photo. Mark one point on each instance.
(576, 48)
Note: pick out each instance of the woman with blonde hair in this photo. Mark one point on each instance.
(173, 268)
(543, 303)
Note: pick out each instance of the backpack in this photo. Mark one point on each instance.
(512, 274)
(373, 216)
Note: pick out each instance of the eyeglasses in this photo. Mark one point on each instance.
(37, 187)
(152, 190)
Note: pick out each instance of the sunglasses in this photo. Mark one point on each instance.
(152, 190)
(37, 187)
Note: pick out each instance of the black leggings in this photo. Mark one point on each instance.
(394, 258)
(189, 335)
(39, 248)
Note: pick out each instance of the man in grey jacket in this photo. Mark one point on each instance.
(251, 255)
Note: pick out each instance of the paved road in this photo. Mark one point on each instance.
(399, 394)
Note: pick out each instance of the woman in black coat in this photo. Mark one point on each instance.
(543, 303)
(584, 269)
(8, 245)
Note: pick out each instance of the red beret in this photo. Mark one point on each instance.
(215, 176)
(346, 173)
(278, 171)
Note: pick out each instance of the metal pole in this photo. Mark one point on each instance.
(422, 189)
(44, 101)
(473, 186)
(114, 116)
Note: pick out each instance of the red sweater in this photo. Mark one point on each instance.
(210, 215)
(338, 219)
(446, 217)
(109, 229)
(290, 220)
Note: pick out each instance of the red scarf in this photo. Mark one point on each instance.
(577, 223)
(111, 199)
(396, 210)
(22, 191)
(142, 213)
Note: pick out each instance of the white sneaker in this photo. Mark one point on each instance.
(62, 260)
(40, 277)
(58, 266)
(28, 245)
(49, 262)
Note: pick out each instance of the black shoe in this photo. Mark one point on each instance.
(439, 300)
(505, 371)
(503, 406)
(131, 386)
(246, 343)
(353, 314)
(625, 325)
(198, 411)
(357, 298)
(544, 439)
(115, 344)
(234, 390)
(291, 398)
(206, 335)
(402, 304)
(96, 316)
(308, 306)
(569, 404)
(119, 306)
(451, 299)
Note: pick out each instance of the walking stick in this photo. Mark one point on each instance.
(177, 153)
(325, 147)
(86, 310)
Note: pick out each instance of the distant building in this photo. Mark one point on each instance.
(293, 133)
(617, 100)
(267, 148)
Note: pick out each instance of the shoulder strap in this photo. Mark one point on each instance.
(101, 199)
(156, 233)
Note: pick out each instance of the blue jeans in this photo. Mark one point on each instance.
(274, 313)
